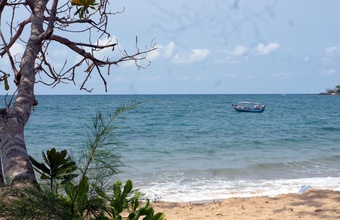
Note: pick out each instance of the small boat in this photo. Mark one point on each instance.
(249, 107)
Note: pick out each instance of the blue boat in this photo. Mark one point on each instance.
(249, 107)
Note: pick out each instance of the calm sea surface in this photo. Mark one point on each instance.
(196, 147)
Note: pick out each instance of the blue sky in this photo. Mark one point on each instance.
(223, 47)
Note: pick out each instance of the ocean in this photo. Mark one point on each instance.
(186, 148)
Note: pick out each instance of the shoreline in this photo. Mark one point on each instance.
(312, 204)
(213, 190)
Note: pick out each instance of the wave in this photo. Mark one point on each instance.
(177, 190)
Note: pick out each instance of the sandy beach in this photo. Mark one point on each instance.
(313, 204)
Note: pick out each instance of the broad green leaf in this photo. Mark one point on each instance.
(39, 166)
(6, 83)
(45, 158)
(146, 204)
(159, 216)
(146, 211)
(70, 190)
(117, 189)
(127, 188)
(83, 187)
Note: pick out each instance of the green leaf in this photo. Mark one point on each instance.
(127, 188)
(146, 211)
(68, 178)
(117, 189)
(54, 158)
(67, 167)
(39, 166)
(81, 15)
(131, 215)
(70, 190)
(45, 158)
(134, 201)
(159, 216)
(146, 204)
(83, 187)
(59, 166)
(78, 11)
(6, 83)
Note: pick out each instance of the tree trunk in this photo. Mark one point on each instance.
(16, 165)
(15, 160)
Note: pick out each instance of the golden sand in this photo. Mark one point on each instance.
(313, 204)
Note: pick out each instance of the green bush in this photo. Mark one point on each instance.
(120, 202)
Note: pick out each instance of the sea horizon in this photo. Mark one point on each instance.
(149, 94)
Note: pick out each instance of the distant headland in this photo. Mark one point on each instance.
(335, 91)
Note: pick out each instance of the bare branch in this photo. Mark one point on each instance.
(6, 49)
(73, 46)
(16, 36)
(60, 17)
(51, 22)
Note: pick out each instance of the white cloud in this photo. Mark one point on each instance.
(107, 52)
(332, 50)
(17, 49)
(329, 53)
(128, 63)
(196, 55)
(306, 59)
(240, 51)
(329, 72)
(162, 51)
(267, 49)
(169, 49)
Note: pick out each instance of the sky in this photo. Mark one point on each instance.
(220, 47)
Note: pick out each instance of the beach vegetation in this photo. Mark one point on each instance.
(70, 190)
(56, 167)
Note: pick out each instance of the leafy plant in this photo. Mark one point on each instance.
(120, 202)
(81, 202)
(83, 6)
(58, 167)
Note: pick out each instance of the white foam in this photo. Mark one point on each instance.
(203, 190)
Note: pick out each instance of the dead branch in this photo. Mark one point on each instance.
(60, 18)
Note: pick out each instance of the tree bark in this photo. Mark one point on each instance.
(15, 160)
(16, 165)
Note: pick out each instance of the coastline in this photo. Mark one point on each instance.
(313, 204)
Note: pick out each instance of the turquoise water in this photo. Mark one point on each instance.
(196, 147)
